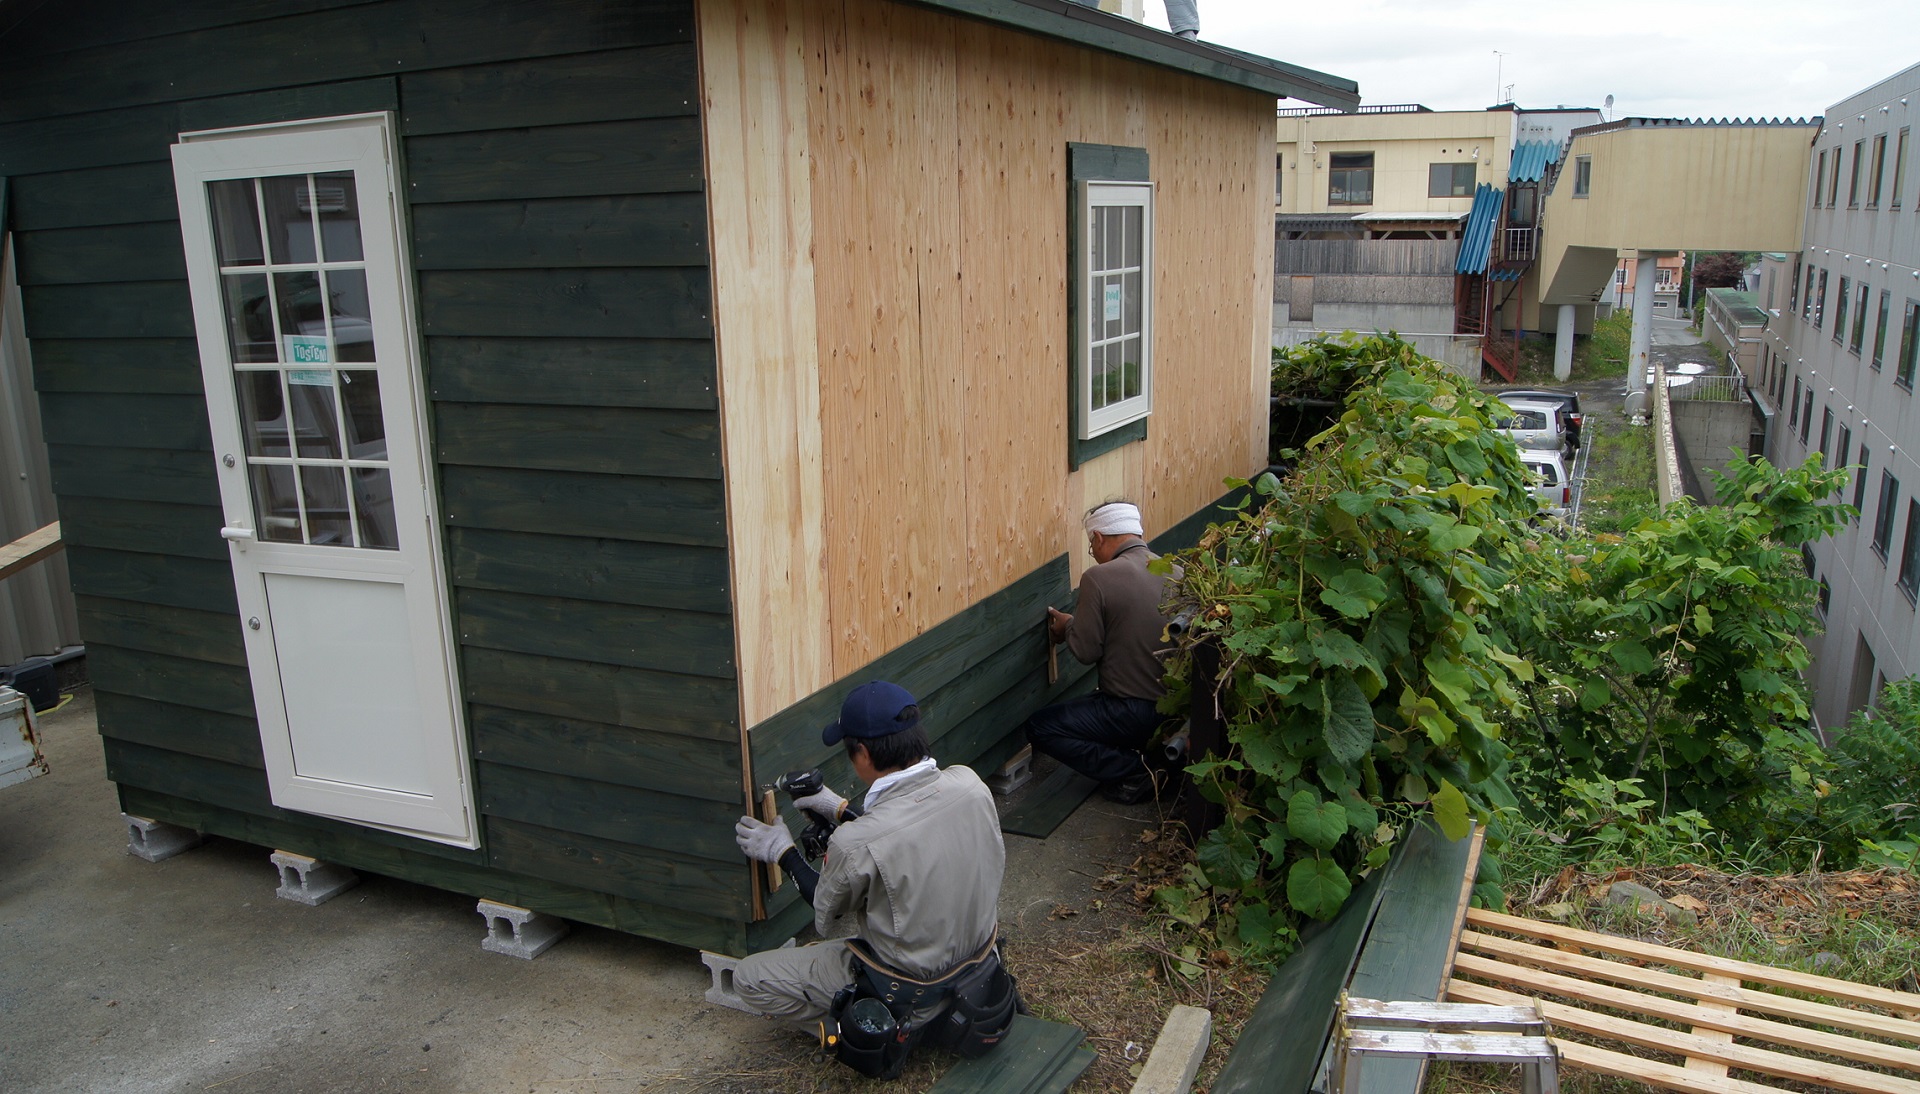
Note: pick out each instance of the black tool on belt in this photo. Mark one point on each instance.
(880, 1017)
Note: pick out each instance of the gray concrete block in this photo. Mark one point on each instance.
(1014, 774)
(155, 840)
(527, 934)
(1176, 1055)
(721, 993)
(309, 881)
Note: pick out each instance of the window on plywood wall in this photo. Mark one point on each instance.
(1112, 293)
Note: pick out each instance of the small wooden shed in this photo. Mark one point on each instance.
(489, 435)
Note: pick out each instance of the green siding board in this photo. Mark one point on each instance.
(658, 575)
(634, 230)
(170, 580)
(694, 706)
(641, 156)
(176, 632)
(157, 527)
(650, 82)
(603, 865)
(127, 309)
(311, 48)
(655, 510)
(301, 833)
(644, 818)
(203, 685)
(576, 748)
(133, 193)
(665, 373)
(135, 474)
(664, 302)
(118, 252)
(177, 422)
(80, 24)
(118, 366)
(201, 733)
(604, 440)
(694, 643)
(452, 869)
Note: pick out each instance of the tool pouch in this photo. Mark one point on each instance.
(871, 1039)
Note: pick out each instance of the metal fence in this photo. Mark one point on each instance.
(1711, 389)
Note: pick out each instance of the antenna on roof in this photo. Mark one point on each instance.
(1607, 109)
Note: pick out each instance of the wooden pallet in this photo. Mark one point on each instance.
(1722, 1015)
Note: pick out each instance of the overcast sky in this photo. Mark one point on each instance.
(1657, 58)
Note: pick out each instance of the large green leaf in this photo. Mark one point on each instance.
(1595, 693)
(1631, 655)
(1227, 856)
(1349, 719)
(1354, 593)
(1317, 887)
(1266, 755)
(1317, 823)
(1450, 811)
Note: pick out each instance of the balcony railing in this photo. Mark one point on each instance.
(1519, 244)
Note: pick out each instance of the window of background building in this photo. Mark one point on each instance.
(1806, 414)
(1582, 176)
(1880, 328)
(1770, 279)
(1824, 597)
(1883, 517)
(1793, 406)
(1899, 168)
(1833, 181)
(1845, 446)
(1279, 175)
(1450, 180)
(1860, 483)
(1820, 301)
(1826, 436)
(1840, 309)
(1910, 554)
(1806, 301)
(1350, 180)
(1853, 176)
(1793, 287)
(1819, 177)
(1877, 166)
(1909, 345)
(1862, 297)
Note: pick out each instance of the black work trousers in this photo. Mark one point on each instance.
(1101, 736)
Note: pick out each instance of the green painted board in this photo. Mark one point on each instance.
(576, 748)
(196, 583)
(603, 440)
(179, 632)
(203, 685)
(1036, 1057)
(176, 422)
(204, 733)
(694, 706)
(695, 643)
(1045, 804)
(613, 571)
(654, 510)
(657, 372)
(119, 252)
(643, 818)
(132, 193)
(179, 476)
(662, 302)
(51, 29)
(627, 230)
(153, 527)
(118, 366)
(649, 82)
(657, 875)
(641, 156)
(127, 309)
(1187, 532)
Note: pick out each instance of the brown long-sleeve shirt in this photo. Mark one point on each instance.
(1117, 625)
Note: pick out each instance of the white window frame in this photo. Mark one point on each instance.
(1104, 193)
(1582, 176)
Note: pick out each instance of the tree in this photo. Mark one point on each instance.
(1720, 269)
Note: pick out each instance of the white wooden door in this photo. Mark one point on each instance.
(308, 350)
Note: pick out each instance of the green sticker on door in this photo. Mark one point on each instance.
(305, 349)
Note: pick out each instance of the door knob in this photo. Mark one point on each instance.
(233, 533)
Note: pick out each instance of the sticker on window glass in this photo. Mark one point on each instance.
(307, 377)
(1113, 303)
(305, 349)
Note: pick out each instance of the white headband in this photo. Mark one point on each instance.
(1116, 518)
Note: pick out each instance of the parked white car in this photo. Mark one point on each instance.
(1535, 424)
(1551, 483)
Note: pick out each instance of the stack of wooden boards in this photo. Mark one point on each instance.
(1715, 1025)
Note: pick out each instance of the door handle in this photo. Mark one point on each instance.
(238, 534)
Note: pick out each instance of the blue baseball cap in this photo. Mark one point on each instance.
(873, 710)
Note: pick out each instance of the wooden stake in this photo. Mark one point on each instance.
(770, 812)
(1053, 650)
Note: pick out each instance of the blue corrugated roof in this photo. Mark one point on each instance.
(1476, 241)
(1530, 160)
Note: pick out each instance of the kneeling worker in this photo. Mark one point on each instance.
(917, 867)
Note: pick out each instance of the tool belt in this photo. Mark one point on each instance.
(967, 1010)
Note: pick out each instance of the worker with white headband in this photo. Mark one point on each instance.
(1118, 626)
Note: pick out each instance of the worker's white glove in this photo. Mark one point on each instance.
(822, 803)
(761, 841)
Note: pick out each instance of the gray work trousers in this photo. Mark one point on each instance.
(797, 984)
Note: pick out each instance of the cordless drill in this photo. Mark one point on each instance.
(799, 784)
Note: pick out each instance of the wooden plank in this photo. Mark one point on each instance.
(623, 755)
(1864, 994)
(71, 26)
(603, 440)
(1746, 1058)
(192, 531)
(130, 193)
(205, 584)
(1713, 1067)
(1652, 1072)
(202, 733)
(755, 63)
(633, 230)
(202, 685)
(123, 366)
(696, 706)
(1051, 801)
(601, 865)
(314, 47)
(1035, 1057)
(669, 302)
(695, 643)
(659, 575)
(426, 863)
(177, 632)
(649, 82)
(34, 547)
(666, 373)
(119, 252)
(129, 309)
(165, 771)
(1688, 987)
(642, 156)
(179, 476)
(644, 818)
(1707, 1017)
(176, 422)
(654, 510)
